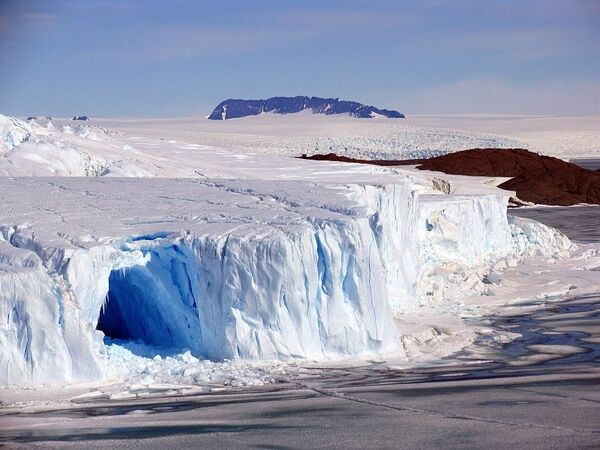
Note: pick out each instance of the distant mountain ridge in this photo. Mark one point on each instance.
(235, 108)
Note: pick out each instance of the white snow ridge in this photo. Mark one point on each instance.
(298, 260)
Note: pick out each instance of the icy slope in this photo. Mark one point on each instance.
(228, 269)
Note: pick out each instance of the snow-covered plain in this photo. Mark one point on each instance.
(236, 256)
(172, 147)
(413, 137)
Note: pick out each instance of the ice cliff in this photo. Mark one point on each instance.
(232, 269)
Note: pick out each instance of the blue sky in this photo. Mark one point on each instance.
(181, 57)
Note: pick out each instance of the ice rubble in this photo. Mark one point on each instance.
(13, 132)
(232, 269)
(35, 148)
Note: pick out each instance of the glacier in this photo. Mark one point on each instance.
(219, 254)
(231, 269)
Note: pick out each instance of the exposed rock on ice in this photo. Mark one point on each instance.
(536, 179)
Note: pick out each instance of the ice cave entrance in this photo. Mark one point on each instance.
(135, 311)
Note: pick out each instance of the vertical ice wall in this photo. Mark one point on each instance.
(48, 299)
(424, 240)
(393, 211)
(43, 336)
(463, 229)
(313, 290)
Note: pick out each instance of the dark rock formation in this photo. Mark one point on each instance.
(234, 108)
(375, 162)
(535, 178)
(39, 118)
(80, 118)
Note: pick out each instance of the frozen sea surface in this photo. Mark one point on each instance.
(580, 223)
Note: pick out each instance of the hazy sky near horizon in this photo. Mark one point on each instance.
(181, 57)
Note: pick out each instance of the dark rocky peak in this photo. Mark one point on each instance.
(235, 108)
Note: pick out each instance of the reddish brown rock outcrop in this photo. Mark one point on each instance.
(535, 178)
(376, 162)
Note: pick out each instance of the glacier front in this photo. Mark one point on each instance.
(232, 269)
